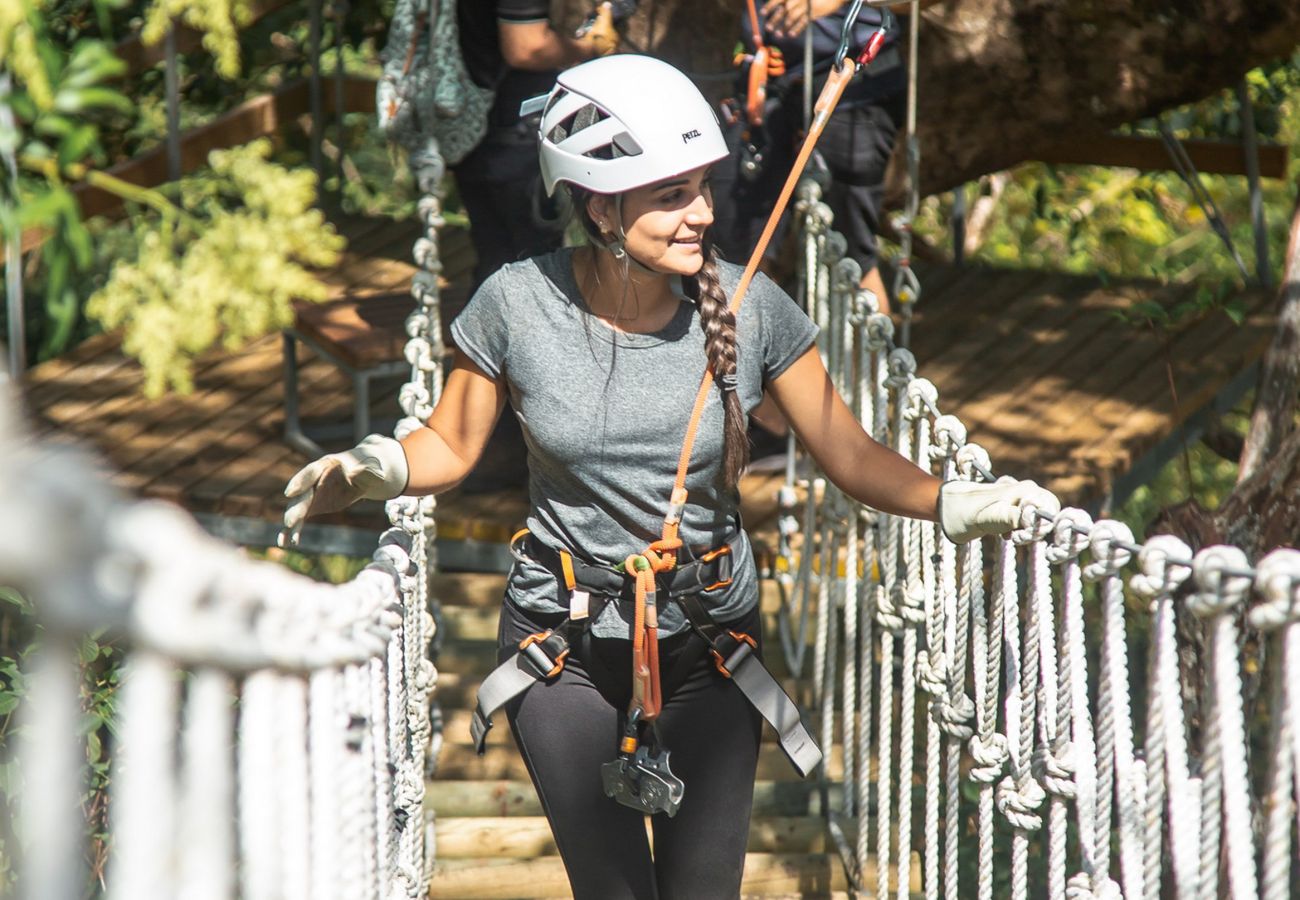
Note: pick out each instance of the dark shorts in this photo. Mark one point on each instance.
(856, 147)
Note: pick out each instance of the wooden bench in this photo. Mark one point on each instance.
(363, 336)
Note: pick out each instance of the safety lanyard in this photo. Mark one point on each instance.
(661, 555)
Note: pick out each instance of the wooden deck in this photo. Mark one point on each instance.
(1038, 365)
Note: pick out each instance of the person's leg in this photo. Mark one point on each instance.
(566, 731)
(713, 733)
(857, 145)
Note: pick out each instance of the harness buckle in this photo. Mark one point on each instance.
(534, 650)
(725, 567)
(745, 645)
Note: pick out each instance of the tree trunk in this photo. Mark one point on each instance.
(1273, 417)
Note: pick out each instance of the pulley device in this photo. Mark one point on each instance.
(641, 777)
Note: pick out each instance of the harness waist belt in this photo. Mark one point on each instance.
(712, 569)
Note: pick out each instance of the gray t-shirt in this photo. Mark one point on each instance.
(604, 414)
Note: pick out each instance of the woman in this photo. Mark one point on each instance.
(601, 350)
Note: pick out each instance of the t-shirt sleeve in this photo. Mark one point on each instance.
(786, 329)
(481, 330)
(519, 11)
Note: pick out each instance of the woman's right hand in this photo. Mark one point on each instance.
(375, 469)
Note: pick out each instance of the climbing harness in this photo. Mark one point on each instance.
(640, 776)
(764, 63)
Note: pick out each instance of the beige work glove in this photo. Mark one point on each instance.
(602, 37)
(375, 469)
(968, 510)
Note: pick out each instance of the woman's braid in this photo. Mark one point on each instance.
(719, 324)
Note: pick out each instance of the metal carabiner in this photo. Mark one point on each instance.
(874, 43)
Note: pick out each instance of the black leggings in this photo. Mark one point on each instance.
(567, 728)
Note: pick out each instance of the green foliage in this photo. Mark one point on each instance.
(219, 20)
(226, 269)
(1090, 219)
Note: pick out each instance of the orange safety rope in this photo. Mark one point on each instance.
(661, 555)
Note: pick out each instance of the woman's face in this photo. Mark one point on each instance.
(664, 222)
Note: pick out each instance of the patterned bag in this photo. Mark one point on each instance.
(425, 99)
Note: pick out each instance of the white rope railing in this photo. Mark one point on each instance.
(254, 730)
(1023, 653)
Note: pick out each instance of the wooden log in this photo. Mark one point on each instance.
(526, 837)
(814, 874)
(1149, 154)
(468, 798)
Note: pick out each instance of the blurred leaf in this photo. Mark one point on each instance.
(78, 144)
(1236, 311)
(87, 650)
(82, 100)
(14, 598)
(8, 702)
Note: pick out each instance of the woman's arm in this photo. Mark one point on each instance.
(863, 468)
(440, 455)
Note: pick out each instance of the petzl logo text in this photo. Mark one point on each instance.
(693, 133)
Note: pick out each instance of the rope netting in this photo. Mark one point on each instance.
(272, 734)
(1055, 753)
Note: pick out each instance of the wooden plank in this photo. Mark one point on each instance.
(160, 457)
(1205, 361)
(250, 480)
(1149, 153)
(1028, 372)
(960, 360)
(55, 378)
(1083, 444)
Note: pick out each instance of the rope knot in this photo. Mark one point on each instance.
(1069, 535)
(1055, 768)
(880, 332)
(990, 755)
(912, 608)
(836, 244)
(954, 716)
(1108, 556)
(887, 615)
(949, 437)
(932, 672)
(902, 368)
(1033, 527)
(971, 459)
(846, 275)
(1080, 888)
(1019, 803)
(865, 304)
(1159, 575)
(1278, 580)
(806, 192)
(922, 396)
(1219, 590)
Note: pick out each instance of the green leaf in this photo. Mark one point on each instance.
(1236, 311)
(88, 651)
(79, 144)
(8, 702)
(13, 597)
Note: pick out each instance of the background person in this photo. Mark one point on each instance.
(855, 147)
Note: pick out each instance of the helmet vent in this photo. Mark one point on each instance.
(584, 117)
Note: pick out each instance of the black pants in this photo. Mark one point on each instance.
(510, 218)
(568, 728)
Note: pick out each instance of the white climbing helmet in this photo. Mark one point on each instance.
(623, 121)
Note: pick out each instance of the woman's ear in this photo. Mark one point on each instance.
(600, 209)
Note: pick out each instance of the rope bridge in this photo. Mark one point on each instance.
(1091, 779)
(273, 734)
